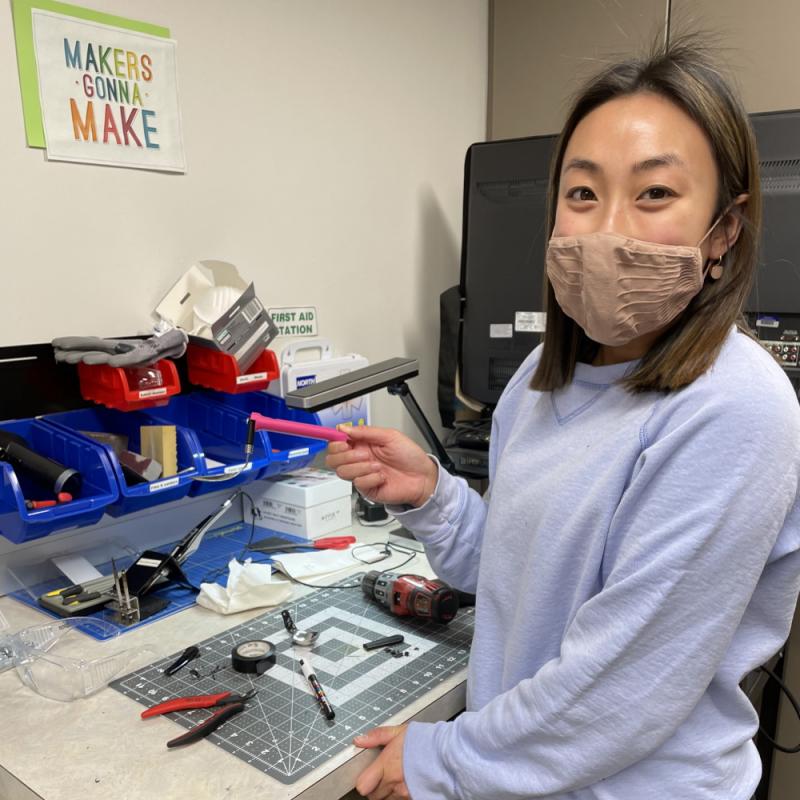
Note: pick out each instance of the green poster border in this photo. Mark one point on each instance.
(26, 54)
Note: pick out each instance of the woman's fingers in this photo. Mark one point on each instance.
(349, 457)
(350, 472)
(338, 447)
(369, 482)
(370, 435)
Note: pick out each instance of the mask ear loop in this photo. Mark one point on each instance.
(715, 270)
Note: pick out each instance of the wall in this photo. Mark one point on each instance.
(759, 42)
(541, 52)
(325, 146)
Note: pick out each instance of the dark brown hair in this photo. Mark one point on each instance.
(682, 73)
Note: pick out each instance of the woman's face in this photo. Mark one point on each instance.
(640, 166)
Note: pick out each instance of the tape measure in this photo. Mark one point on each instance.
(254, 657)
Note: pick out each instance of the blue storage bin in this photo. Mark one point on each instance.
(220, 434)
(98, 491)
(289, 452)
(134, 496)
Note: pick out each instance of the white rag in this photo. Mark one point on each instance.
(249, 586)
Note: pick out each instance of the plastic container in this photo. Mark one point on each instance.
(135, 496)
(220, 434)
(115, 387)
(98, 490)
(289, 452)
(216, 370)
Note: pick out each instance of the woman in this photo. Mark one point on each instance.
(640, 553)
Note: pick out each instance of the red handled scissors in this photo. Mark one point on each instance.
(226, 704)
(333, 543)
(329, 543)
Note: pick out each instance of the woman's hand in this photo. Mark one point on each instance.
(383, 779)
(384, 465)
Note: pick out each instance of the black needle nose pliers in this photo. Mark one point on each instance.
(226, 703)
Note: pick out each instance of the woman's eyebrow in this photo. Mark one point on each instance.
(582, 163)
(661, 160)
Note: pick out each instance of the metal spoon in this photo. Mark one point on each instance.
(300, 638)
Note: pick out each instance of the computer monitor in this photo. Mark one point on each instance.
(776, 289)
(502, 260)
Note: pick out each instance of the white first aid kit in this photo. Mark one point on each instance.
(309, 502)
(298, 371)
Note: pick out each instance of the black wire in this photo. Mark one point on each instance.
(389, 546)
(374, 524)
(322, 585)
(243, 493)
(212, 576)
(793, 700)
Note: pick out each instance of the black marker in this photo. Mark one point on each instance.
(327, 709)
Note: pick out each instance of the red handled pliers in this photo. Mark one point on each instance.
(226, 703)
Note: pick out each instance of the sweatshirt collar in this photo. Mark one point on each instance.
(605, 375)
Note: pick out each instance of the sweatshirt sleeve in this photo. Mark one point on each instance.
(450, 526)
(715, 484)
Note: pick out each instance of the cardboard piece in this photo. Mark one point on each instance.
(116, 441)
(218, 309)
(160, 443)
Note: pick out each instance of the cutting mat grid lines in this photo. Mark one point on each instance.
(282, 731)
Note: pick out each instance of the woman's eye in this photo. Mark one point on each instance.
(657, 193)
(581, 193)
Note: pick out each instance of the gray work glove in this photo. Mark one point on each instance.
(120, 352)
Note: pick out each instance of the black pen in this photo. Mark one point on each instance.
(327, 709)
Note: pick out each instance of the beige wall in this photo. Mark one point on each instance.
(759, 43)
(540, 51)
(325, 145)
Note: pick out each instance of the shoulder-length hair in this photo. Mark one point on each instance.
(682, 73)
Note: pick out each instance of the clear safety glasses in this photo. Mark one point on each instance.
(37, 654)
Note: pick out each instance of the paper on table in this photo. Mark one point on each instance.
(312, 565)
(77, 568)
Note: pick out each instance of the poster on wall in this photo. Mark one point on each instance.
(108, 95)
(26, 58)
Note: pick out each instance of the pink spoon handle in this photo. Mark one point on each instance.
(297, 428)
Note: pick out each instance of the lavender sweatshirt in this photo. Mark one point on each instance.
(637, 557)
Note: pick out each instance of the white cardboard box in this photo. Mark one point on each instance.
(309, 502)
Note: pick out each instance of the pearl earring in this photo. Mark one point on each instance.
(717, 269)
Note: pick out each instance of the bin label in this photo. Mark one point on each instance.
(152, 392)
(256, 376)
(301, 451)
(168, 483)
(234, 468)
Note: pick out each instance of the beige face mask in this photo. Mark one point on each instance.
(617, 288)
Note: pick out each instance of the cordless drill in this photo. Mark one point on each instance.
(411, 595)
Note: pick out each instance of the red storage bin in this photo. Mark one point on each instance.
(214, 369)
(110, 386)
